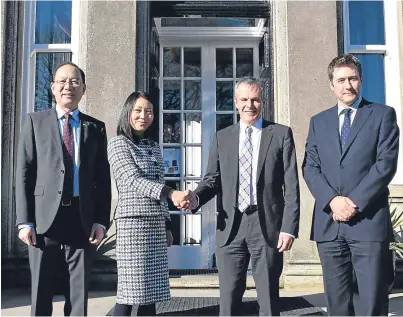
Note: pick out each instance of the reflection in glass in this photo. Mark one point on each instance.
(172, 127)
(207, 22)
(172, 62)
(46, 63)
(176, 228)
(53, 22)
(191, 185)
(373, 86)
(192, 62)
(367, 25)
(193, 128)
(175, 185)
(172, 94)
(172, 161)
(224, 120)
(193, 161)
(192, 95)
(244, 62)
(224, 95)
(193, 229)
(224, 63)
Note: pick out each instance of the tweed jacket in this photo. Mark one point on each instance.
(139, 175)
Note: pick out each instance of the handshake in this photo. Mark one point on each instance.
(184, 200)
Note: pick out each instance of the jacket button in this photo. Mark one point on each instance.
(150, 152)
(157, 176)
(59, 192)
(62, 171)
(155, 163)
(341, 166)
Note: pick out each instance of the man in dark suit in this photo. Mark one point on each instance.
(252, 164)
(351, 157)
(63, 192)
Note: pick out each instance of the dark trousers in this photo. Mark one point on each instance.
(247, 243)
(340, 259)
(142, 310)
(64, 240)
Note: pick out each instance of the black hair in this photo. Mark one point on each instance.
(124, 127)
(71, 64)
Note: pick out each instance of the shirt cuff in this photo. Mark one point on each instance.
(25, 225)
(288, 234)
(103, 227)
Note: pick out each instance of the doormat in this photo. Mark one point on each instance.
(209, 306)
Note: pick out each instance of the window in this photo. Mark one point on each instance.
(47, 44)
(371, 31)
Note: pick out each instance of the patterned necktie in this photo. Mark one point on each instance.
(345, 129)
(245, 171)
(68, 146)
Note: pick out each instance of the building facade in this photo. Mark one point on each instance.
(189, 55)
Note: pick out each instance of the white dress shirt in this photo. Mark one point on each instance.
(341, 114)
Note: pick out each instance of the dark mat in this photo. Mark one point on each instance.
(209, 306)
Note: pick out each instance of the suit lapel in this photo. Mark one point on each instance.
(334, 134)
(363, 112)
(232, 160)
(83, 137)
(55, 130)
(265, 140)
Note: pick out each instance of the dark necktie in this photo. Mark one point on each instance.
(345, 129)
(68, 159)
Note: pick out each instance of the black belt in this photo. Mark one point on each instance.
(251, 209)
(65, 202)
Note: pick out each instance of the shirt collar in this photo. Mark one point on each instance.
(74, 114)
(257, 126)
(354, 107)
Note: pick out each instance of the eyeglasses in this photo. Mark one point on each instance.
(75, 83)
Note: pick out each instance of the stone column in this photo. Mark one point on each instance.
(305, 41)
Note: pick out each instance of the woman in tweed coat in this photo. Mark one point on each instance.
(142, 218)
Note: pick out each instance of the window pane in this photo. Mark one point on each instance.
(191, 185)
(176, 185)
(172, 127)
(192, 60)
(46, 63)
(224, 96)
(193, 128)
(367, 24)
(176, 228)
(224, 63)
(207, 22)
(172, 162)
(193, 161)
(192, 95)
(223, 121)
(172, 62)
(172, 94)
(373, 86)
(53, 22)
(244, 62)
(192, 229)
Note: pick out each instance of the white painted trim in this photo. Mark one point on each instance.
(368, 49)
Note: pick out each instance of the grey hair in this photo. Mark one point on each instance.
(250, 81)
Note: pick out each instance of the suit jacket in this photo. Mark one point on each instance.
(277, 181)
(40, 171)
(361, 172)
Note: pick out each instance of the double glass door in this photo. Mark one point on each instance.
(196, 100)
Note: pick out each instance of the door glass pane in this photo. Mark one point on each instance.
(172, 94)
(224, 64)
(244, 62)
(172, 161)
(46, 63)
(373, 86)
(193, 157)
(224, 95)
(367, 25)
(192, 229)
(192, 62)
(172, 62)
(191, 185)
(192, 95)
(175, 185)
(172, 127)
(176, 228)
(193, 130)
(53, 22)
(224, 120)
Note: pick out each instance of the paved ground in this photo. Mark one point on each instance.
(16, 302)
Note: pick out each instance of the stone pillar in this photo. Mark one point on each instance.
(305, 41)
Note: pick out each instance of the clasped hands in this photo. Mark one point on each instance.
(343, 208)
(184, 200)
